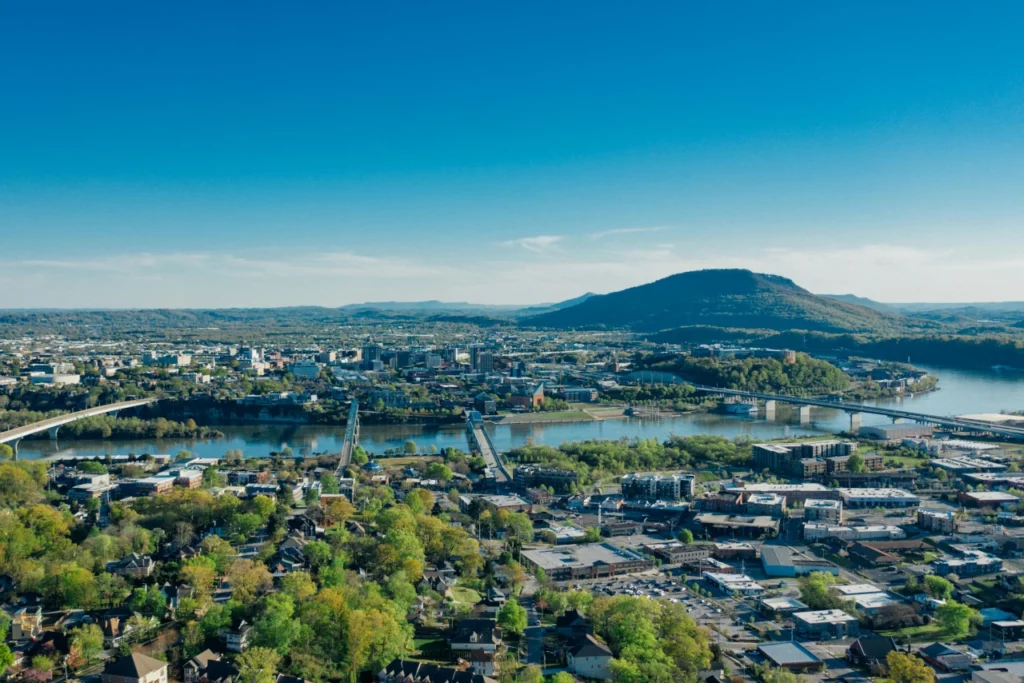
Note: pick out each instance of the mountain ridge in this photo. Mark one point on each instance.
(721, 297)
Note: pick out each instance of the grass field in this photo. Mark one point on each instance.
(933, 632)
(557, 416)
(406, 460)
(466, 595)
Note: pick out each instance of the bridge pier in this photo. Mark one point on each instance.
(897, 420)
(769, 411)
(14, 447)
(854, 422)
(805, 414)
(53, 432)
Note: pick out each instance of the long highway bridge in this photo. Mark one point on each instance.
(480, 440)
(855, 410)
(351, 438)
(53, 424)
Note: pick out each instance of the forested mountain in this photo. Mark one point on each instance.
(728, 298)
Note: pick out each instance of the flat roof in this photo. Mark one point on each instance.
(742, 521)
(857, 589)
(783, 603)
(819, 503)
(788, 654)
(873, 600)
(776, 488)
(876, 493)
(991, 495)
(824, 616)
(585, 555)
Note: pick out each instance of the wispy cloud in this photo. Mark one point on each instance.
(536, 244)
(625, 231)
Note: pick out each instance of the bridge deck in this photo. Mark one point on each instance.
(942, 421)
(19, 433)
(487, 451)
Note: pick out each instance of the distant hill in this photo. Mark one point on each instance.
(725, 298)
(547, 308)
(432, 306)
(863, 301)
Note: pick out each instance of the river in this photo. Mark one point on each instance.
(960, 392)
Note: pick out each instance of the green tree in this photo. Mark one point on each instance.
(686, 536)
(318, 553)
(562, 677)
(43, 663)
(956, 618)
(329, 484)
(258, 665)
(816, 591)
(86, 642)
(440, 471)
(6, 453)
(410, 447)
(937, 587)
(6, 656)
(907, 668)
(276, 627)
(512, 617)
(855, 463)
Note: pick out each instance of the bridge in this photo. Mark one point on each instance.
(348, 446)
(855, 410)
(53, 424)
(480, 440)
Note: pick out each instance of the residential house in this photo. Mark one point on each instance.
(572, 624)
(135, 668)
(871, 652)
(237, 640)
(208, 667)
(944, 658)
(175, 594)
(27, 623)
(475, 634)
(589, 657)
(134, 565)
(401, 671)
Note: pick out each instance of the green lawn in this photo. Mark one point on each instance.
(933, 632)
(466, 595)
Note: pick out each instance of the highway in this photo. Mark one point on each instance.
(13, 436)
(939, 420)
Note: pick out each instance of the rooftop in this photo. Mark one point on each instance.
(819, 503)
(585, 555)
(824, 616)
(787, 654)
(857, 589)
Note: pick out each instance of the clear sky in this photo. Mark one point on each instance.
(209, 154)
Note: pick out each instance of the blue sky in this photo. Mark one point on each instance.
(237, 154)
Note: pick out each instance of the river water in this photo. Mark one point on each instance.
(960, 392)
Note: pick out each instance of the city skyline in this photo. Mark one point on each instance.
(341, 154)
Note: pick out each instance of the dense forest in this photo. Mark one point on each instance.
(806, 376)
(596, 460)
(954, 351)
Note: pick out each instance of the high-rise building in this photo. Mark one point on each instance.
(485, 361)
(371, 352)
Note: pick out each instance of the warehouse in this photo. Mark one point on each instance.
(746, 525)
(780, 561)
(733, 584)
(791, 656)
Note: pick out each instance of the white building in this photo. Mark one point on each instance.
(876, 532)
(305, 369)
(886, 498)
